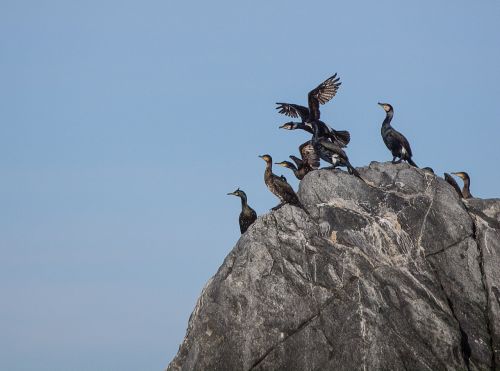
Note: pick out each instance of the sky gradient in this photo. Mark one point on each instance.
(124, 124)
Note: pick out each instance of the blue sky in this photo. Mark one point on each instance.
(124, 124)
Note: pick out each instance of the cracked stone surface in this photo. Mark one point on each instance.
(395, 274)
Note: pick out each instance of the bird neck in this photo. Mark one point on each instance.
(388, 119)
(466, 188)
(269, 168)
(315, 128)
(244, 203)
(294, 168)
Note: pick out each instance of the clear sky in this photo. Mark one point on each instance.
(123, 124)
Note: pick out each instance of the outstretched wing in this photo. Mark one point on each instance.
(322, 94)
(309, 155)
(293, 110)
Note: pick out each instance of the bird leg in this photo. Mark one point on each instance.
(396, 162)
(278, 206)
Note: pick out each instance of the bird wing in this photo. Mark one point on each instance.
(246, 219)
(322, 94)
(285, 190)
(334, 148)
(293, 110)
(395, 136)
(342, 137)
(309, 155)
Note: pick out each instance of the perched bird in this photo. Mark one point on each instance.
(323, 93)
(466, 188)
(278, 186)
(429, 169)
(331, 153)
(453, 183)
(247, 215)
(309, 160)
(394, 140)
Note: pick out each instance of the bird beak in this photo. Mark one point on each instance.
(380, 104)
(282, 126)
(279, 163)
(231, 194)
(261, 156)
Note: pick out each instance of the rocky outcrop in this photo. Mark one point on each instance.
(398, 274)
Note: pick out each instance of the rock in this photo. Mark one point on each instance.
(395, 274)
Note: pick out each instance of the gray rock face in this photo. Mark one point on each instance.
(399, 274)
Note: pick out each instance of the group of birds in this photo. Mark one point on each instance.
(328, 145)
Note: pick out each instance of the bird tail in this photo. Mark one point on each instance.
(410, 161)
(341, 136)
(354, 172)
(299, 205)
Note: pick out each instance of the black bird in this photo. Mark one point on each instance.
(394, 140)
(323, 93)
(247, 215)
(331, 153)
(466, 188)
(308, 162)
(453, 183)
(429, 169)
(342, 138)
(278, 186)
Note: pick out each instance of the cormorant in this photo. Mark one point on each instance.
(331, 153)
(341, 137)
(278, 186)
(308, 162)
(394, 140)
(323, 93)
(247, 215)
(429, 169)
(453, 183)
(466, 188)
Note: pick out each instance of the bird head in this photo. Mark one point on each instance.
(266, 158)
(289, 126)
(462, 175)
(386, 106)
(285, 164)
(238, 193)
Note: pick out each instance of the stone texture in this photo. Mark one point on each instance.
(397, 274)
